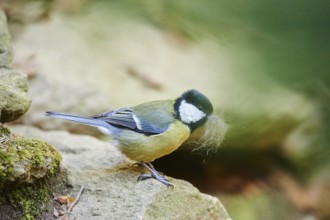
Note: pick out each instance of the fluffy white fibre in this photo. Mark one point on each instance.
(210, 136)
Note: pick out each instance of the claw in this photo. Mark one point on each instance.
(153, 174)
(144, 177)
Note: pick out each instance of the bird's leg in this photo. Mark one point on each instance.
(153, 174)
(152, 167)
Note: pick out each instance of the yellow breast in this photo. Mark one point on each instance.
(145, 148)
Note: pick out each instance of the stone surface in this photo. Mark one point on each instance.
(14, 101)
(111, 190)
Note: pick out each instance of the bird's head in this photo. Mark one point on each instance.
(193, 108)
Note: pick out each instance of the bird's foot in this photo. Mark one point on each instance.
(156, 176)
(153, 174)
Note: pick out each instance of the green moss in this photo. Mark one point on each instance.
(28, 200)
(4, 132)
(25, 159)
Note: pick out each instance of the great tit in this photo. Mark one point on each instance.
(150, 130)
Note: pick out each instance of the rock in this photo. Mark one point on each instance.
(14, 101)
(24, 160)
(111, 190)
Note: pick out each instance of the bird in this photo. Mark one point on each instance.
(150, 130)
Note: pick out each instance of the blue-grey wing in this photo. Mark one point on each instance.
(150, 118)
(122, 117)
(154, 117)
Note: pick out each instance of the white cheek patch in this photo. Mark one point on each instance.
(190, 113)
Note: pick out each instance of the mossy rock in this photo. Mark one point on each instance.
(24, 160)
(24, 202)
(28, 168)
(33, 201)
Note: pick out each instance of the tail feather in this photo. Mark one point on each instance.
(83, 120)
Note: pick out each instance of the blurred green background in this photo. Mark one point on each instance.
(274, 162)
